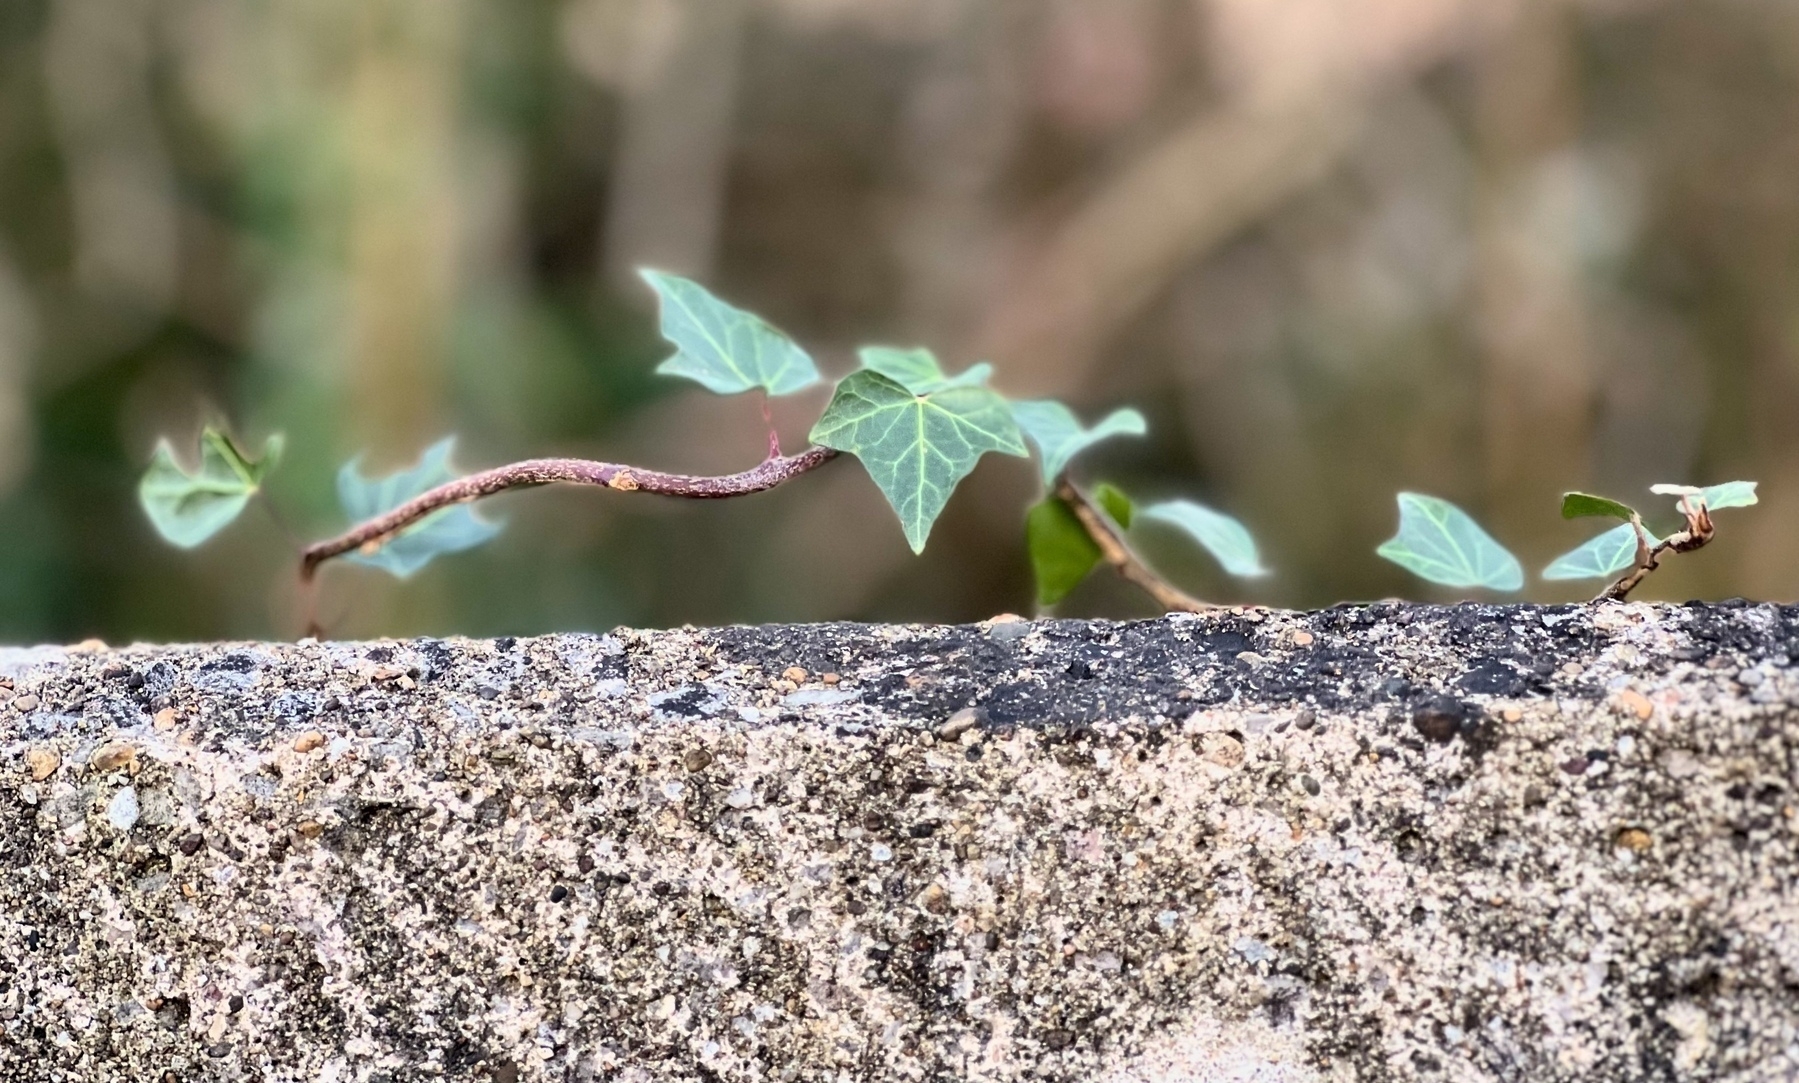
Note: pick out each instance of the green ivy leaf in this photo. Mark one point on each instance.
(916, 447)
(1224, 537)
(1059, 436)
(1439, 542)
(1731, 494)
(1117, 505)
(1610, 554)
(1580, 505)
(1061, 551)
(187, 508)
(724, 348)
(450, 530)
(918, 371)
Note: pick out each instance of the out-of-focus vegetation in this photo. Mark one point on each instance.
(1492, 249)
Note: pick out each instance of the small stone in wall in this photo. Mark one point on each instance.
(112, 757)
(42, 762)
(1633, 702)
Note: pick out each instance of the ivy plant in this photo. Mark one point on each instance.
(1440, 542)
(1629, 551)
(917, 431)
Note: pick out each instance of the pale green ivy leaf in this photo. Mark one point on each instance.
(916, 447)
(725, 349)
(1731, 494)
(1439, 542)
(1059, 436)
(917, 370)
(188, 508)
(1224, 537)
(449, 530)
(1603, 557)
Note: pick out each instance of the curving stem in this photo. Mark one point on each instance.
(371, 535)
(1120, 557)
(1699, 531)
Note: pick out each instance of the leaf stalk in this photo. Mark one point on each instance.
(1120, 557)
(1699, 531)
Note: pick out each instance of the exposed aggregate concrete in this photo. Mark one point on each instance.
(1367, 843)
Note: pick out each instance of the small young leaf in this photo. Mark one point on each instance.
(1439, 542)
(1731, 494)
(185, 508)
(916, 447)
(1117, 505)
(1059, 436)
(725, 349)
(1062, 553)
(1603, 557)
(1224, 537)
(450, 530)
(1676, 490)
(1579, 505)
(917, 370)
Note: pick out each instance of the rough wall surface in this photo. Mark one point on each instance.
(1369, 843)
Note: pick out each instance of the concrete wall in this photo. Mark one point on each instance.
(1369, 843)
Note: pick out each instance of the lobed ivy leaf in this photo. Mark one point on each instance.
(1580, 505)
(1222, 536)
(725, 349)
(916, 447)
(917, 370)
(450, 530)
(1439, 542)
(1059, 436)
(1062, 553)
(188, 508)
(1610, 554)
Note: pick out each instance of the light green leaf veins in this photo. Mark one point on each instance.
(916, 447)
(1603, 557)
(188, 508)
(1059, 436)
(917, 370)
(449, 530)
(1224, 537)
(725, 349)
(1439, 542)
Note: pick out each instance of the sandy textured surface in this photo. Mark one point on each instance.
(1368, 843)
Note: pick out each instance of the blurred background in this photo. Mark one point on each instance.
(1486, 249)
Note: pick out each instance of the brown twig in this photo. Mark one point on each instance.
(376, 532)
(1120, 557)
(1699, 531)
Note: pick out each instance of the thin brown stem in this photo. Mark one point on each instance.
(374, 533)
(1649, 557)
(1120, 557)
